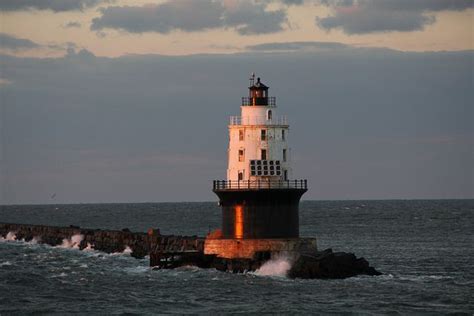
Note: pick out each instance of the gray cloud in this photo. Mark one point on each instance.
(189, 15)
(296, 46)
(72, 24)
(293, 2)
(251, 18)
(54, 5)
(12, 43)
(368, 16)
(365, 123)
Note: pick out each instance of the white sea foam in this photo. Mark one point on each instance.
(278, 266)
(126, 251)
(73, 242)
(89, 247)
(34, 241)
(11, 236)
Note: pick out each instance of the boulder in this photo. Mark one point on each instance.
(330, 265)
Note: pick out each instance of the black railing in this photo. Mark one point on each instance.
(259, 184)
(268, 101)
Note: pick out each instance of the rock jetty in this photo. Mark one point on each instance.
(171, 251)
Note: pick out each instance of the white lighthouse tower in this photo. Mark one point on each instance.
(259, 199)
(258, 141)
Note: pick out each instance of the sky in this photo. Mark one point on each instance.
(128, 101)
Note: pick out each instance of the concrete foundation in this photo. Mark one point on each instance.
(247, 248)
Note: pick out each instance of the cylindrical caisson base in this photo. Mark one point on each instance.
(264, 213)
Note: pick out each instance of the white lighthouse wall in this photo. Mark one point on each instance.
(252, 121)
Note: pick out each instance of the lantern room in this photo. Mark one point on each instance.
(258, 94)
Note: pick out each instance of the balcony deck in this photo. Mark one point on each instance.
(259, 120)
(225, 185)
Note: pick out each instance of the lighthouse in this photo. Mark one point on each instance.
(260, 198)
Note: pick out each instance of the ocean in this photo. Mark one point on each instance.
(424, 248)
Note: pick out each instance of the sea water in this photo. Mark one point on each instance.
(423, 247)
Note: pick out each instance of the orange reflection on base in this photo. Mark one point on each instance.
(239, 222)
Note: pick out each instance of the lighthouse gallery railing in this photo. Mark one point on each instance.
(258, 120)
(259, 184)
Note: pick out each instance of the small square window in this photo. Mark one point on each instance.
(241, 155)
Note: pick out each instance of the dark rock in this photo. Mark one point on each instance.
(329, 265)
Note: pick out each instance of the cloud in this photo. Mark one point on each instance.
(72, 24)
(8, 42)
(189, 15)
(296, 46)
(369, 16)
(13, 45)
(251, 18)
(54, 5)
(148, 117)
(293, 2)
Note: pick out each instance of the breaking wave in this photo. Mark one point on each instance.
(11, 236)
(72, 242)
(278, 266)
(126, 251)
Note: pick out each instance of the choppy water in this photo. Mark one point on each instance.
(425, 249)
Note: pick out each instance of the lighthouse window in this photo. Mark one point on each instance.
(241, 176)
(264, 154)
(283, 134)
(284, 154)
(269, 115)
(241, 135)
(265, 167)
(241, 155)
(263, 134)
(285, 175)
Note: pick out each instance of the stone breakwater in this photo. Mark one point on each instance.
(170, 251)
(110, 241)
